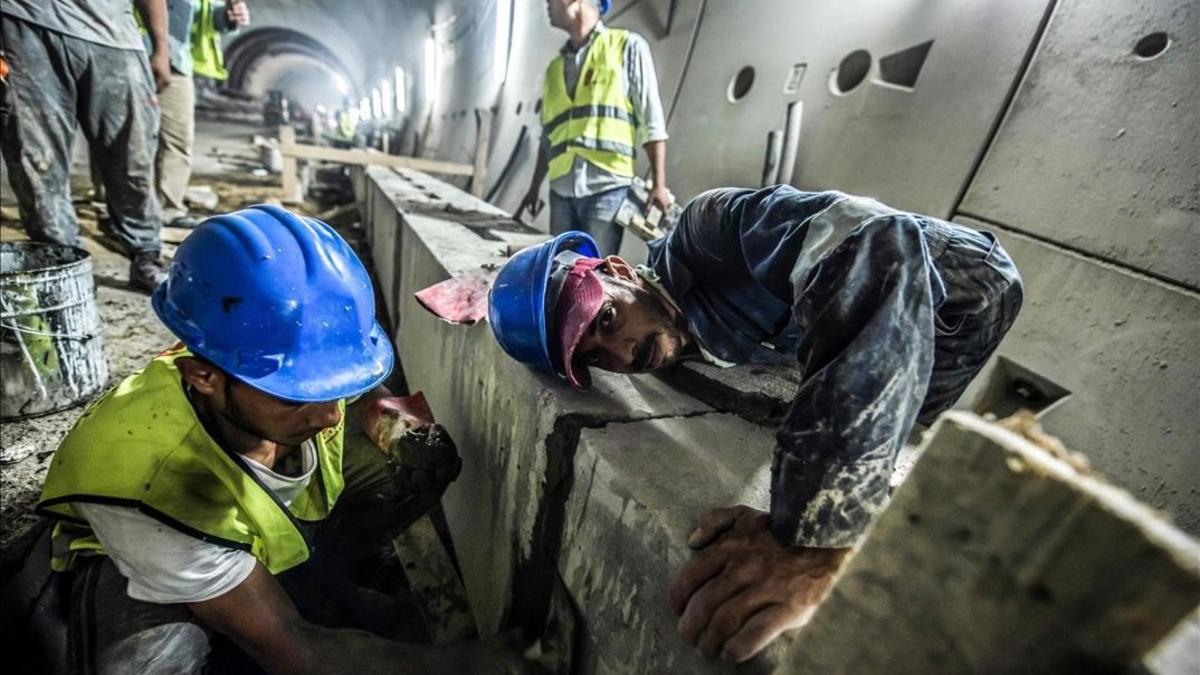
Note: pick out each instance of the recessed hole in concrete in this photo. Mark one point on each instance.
(903, 67)
(740, 85)
(792, 84)
(851, 71)
(1012, 387)
(1152, 45)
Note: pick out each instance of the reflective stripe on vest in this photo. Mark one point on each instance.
(598, 123)
(207, 58)
(142, 446)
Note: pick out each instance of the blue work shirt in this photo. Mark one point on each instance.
(888, 315)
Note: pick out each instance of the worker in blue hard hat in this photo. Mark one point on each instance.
(600, 102)
(887, 315)
(210, 506)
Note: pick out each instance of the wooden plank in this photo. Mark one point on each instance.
(996, 557)
(372, 157)
(291, 169)
(434, 583)
(483, 137)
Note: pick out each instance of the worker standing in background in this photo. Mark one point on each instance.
(599, 102)
(83, 62)
(193, 32)
(224, 488)
(887, 315)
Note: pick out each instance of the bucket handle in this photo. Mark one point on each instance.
(65, 336)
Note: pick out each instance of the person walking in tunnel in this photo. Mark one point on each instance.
(78, 62)
(887, 315)
(599, 102)
(224, 488)
(193, 31)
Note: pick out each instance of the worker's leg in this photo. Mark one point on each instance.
(983, 297)
(176, 135)
(598, 217)
(113, 634)
(38, 127)
(119, 115)
(562, 214)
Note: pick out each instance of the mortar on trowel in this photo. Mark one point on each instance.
(423, 456)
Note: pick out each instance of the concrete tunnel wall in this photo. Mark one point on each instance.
(1055, 124)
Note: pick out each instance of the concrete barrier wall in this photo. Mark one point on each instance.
(555, 480)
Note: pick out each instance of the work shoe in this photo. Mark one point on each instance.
(146, 271)
(184, 223)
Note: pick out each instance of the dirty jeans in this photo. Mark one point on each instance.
(595, 214)
(113, 634)
(55, 82)
(880, 356)
(173, 166)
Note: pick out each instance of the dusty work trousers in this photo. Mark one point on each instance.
(177, 133)
(113, 634)
(595, 214)
(55, 82)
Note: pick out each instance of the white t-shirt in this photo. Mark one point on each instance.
(166, 566)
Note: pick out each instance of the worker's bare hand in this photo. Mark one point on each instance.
(238, 13)
(160, 67)
(743, 588)
(528, 203)
(661, 197)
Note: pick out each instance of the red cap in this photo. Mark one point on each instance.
(579, 301)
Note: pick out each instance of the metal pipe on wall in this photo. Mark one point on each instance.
(791, 141)
(770, 172)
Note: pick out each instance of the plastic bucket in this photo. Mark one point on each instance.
(51, 346)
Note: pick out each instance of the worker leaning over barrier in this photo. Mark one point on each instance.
(888, 315)
(208, 479)
(599, 102)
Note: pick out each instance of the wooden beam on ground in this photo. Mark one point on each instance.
(996, 557)
(435, 583)
(483, 138)
(291, 149)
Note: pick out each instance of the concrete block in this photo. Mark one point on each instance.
(513, 427)
(997, 557)
(1098, 149)
(639, 489)
(1124, 345)
(762, 394)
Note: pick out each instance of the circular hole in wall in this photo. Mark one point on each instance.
(740, 85)
(851, 71)
(1152, 45)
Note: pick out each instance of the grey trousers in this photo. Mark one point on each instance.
(55, 82)
(177, 133)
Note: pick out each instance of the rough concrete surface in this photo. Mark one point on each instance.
(1124, 345)
(1025, 566)
(1099, 150)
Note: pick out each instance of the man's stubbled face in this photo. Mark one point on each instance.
(636, 330)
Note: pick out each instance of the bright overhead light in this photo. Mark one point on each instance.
(401, 89)
(340, 83)
(376, 103)
(364, 109)
(502, 37)
(430, 70)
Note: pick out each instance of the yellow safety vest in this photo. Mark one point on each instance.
(207, 58)
(346, 124)
(141, 445)
(598, 123)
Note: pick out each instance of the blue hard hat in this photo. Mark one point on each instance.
(279, 302)
(519, 305)
(604, 5)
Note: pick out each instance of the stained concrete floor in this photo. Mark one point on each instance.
(132, 334)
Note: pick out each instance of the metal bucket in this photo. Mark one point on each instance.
(51, 346)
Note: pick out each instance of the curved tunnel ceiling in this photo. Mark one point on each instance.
(302, 67)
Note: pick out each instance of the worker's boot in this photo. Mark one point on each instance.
(146, 271)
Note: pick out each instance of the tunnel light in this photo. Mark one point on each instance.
(364, 109)
(376, 103)
(340, 82)
(385, 93)
(401, 88)
(503, 38)
(430, 70)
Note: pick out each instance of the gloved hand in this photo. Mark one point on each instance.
(423, 456)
